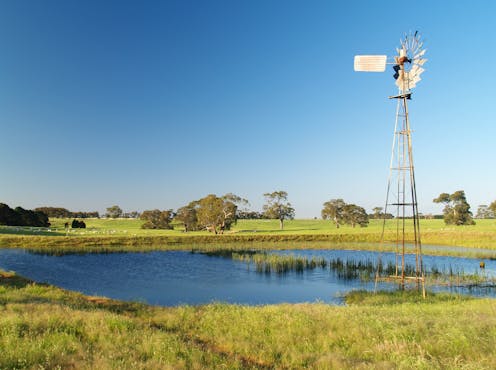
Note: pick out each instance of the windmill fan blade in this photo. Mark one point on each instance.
(415, 80)
(370, 63)
(419, 62)
(420, 54)
(416, 70)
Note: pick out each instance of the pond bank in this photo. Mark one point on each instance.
(482, 245)
(44, 326)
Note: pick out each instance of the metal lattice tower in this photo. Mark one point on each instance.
(401, 195)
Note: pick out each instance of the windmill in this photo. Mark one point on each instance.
(401, 189)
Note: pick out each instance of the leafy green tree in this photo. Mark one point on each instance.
(212, 213)
(8, 216)
(484, 211)
(235, 202)
(114, 212)
(333, 210)
(78, 224)
(278, 207)
(377, 212)
(157, 219)
(58, 212)
(492, 208)
(187, 216)
(22, 217)
(456, 208)
(355, 215)
(217, 214)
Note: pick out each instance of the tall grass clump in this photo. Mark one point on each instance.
(280, 264)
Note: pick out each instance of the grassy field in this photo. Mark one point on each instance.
(126, 234)
(45, 327)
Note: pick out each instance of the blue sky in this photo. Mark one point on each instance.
(152, 104)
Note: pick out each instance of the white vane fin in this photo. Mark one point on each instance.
(420, 54)
(419, 62)
(414, 81)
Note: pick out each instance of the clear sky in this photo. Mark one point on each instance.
(152, 104)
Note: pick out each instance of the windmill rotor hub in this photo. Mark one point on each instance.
(402, 60)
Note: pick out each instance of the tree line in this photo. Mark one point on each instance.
(59, 212)
(217, 214)
(22, 217)
(339, 212)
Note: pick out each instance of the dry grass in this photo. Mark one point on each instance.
(46, 327)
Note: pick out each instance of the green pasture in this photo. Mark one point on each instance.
(46, 327)
(127, 234)
(132, 227)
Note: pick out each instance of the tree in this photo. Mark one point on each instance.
(484, 211)
(114, 212)
(355, 215)
(278, 207)
(58, 212)
(8, 216)
(377, 212)
(492, 208)
(340, 213)
(22, 217)
(236, 201)
(132, 214)
(212, 213)
(216, 214)
(187, 215)
(78, 224)
(333, 210)
(456, 208)
(249, 215)
(157, 219)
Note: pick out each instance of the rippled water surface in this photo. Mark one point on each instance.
(173, 278)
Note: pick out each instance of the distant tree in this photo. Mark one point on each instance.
(156, 219)
(22, 217)
(249, 215)
(76, 224)
(377, 212)
(278, 207)
(216, 214)
(56, 212)
(456, 208)
(8, 216)
(492, 208)
(187, 216)
(28, 217)
(333, 210)
(81, 214)
(483, 211)
(133, 214)
(234, 202)
(355, 215)
(114, 212)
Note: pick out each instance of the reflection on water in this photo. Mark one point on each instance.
(172, 278)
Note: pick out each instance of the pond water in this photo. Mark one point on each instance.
(177, 277)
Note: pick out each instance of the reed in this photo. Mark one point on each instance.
(349, 268)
